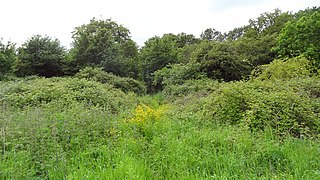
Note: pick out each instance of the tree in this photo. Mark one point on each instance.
(156, 54)
(301, 37)
(255, 41)
(183, 39)
(40, 56)
(268, 22)
(103, 43)
(236, 33)
(130, 59)
(220, 60)
(256, 51)
(7, 58)
(211, 34)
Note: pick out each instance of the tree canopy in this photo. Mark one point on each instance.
(40, 55)
(7, 58)
(301, 37)
(103, 43)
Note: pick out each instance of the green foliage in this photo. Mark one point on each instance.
(7, 59)
(274, 160)
(90, 126)
(177, 74)
(210, 34)
(221, 61)
(301, 37)
(183, 39)
(104, 43)
(285, 112)
(197, 87)
(50, 142)
(55, 141)
(287, 108)
(123, 83)
(40, 56)
(268, 23)
(256, 50)
(41, 91)
(282, 97)
(284, 69)
(180, 80)
(156, 54)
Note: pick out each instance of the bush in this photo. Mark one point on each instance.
(284, 69)
(36, 91)
(287, 108)
(123, 83)
(177, 74)
(180, 80)
(286, 112)
(204, 86)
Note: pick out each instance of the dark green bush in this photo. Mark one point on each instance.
(36, 91)
(123, 83)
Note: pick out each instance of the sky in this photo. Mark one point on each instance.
(21, 19)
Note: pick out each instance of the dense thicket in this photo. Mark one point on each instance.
(125, 84)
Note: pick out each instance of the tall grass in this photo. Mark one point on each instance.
(91, 143)
(149, 140)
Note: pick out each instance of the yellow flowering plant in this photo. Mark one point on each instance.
(144, 114)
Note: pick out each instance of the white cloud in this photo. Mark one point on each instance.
(21, 19)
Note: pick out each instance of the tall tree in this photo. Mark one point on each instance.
(40, 56)
(103, 43)
(7, 58)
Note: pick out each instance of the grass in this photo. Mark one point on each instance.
(90, 143)
(52, 134)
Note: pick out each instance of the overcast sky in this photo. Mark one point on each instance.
(20, 19)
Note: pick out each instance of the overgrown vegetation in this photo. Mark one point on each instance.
(238, 105)
(123, 83)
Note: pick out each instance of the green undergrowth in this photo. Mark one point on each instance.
(125, 84)
(36, 91)
(287, 107)
(145, 142)
(65, 128)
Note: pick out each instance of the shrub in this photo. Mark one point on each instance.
(285, 112)
(284, 69)
(123, 83)
(37, 91)
(177, 74)
(204, 86)
(287, 108)
(182, 79)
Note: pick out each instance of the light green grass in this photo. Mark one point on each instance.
(90, 143)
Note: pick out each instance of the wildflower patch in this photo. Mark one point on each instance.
(144, 114)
